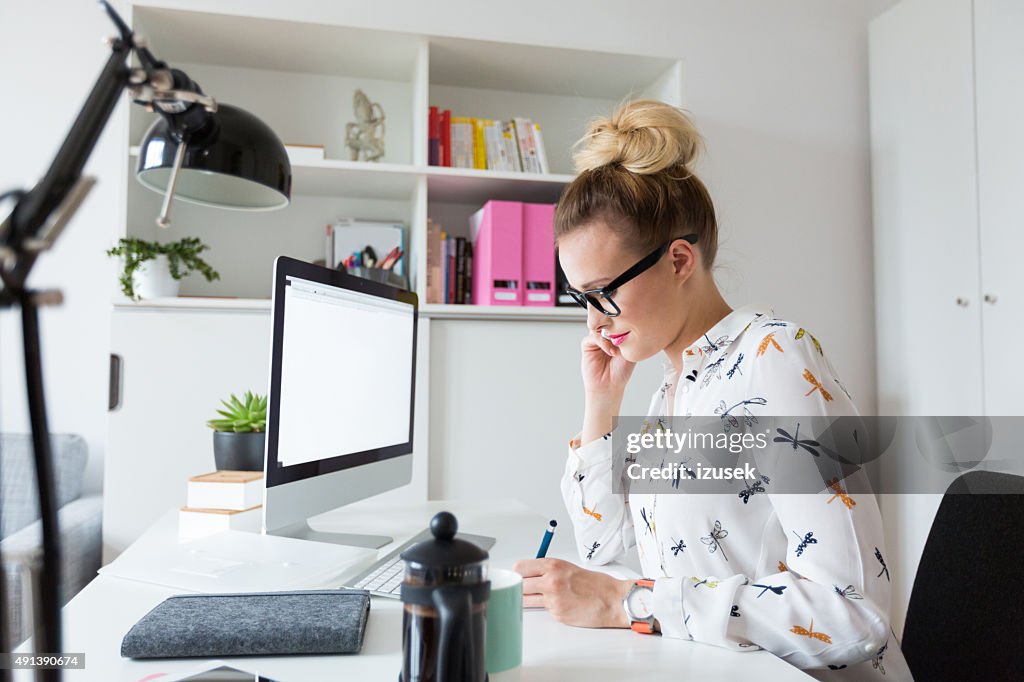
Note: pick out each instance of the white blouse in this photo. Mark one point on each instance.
(801, 575)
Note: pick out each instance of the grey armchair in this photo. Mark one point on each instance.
(79, 518)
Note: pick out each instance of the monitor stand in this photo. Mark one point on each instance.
(303, 531)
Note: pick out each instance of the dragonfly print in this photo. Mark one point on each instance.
(735, 367)
(809, 444)
(716, 345)
(592, 549)
(714, 538)
(732, 421)
(774, 324)
(765, 342)
(775, 589)
(697, 582)
(712, 371)
(735, 612)
(677, 547)
(885, 569)
(750, 490)
(591, 512)
(816, 385)
(840, 493)
(649, 522)
(809, 632)
(876, 662)
(800, 334)
(808, 539)
(847, 592)
(678, 476)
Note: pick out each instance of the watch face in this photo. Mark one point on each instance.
(639, 603)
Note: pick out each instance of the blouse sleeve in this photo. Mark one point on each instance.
(828, 601)
(601, 520)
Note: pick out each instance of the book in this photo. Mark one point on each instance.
(538, 143)
(433, 137)
(460, 270)
(443, 287)
(508, 132)
(226, 490)
(479, 144)
(198, 522)
(451, 270)
(446, 137)
(524, 137)
(469, 272)
(462, 142)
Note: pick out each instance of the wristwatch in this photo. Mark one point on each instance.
(639, 605)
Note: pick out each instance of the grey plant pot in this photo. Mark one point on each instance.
(239, 451)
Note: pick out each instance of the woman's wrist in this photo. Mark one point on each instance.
(617, 617)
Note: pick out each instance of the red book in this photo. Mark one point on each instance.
(434, 138)
(446, 137)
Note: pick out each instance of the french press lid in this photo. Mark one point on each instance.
(445, 550)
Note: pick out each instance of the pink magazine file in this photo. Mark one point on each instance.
(497, 233)
(538, 255)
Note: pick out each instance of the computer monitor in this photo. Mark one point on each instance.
(341, 398)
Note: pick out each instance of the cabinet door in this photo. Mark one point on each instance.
(925, 209)
(999, 49)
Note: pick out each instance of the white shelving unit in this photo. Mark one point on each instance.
(301, 80)
(477, 366)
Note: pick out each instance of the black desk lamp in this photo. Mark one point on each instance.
(198, 150)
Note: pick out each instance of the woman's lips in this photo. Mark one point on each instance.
(617, 339)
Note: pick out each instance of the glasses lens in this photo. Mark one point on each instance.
(604, 303)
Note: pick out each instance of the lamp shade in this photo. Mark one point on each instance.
(241, 165)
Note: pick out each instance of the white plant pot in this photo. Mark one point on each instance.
(153, 279)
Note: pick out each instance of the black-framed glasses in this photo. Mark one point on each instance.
(601, 298)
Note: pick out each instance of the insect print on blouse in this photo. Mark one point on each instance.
(876, 662)
(678, 475)
(763, 346)
(750, 490)
(735, 367)
(648, 521)
(885, 569)
(847, 592)
(837, 487)
(592, 549)
(809, 632)
(697, 582)
(836, 667)
(579, 477)
(809, 539)
(800, 334)
(776, 589)
(774, 324)
(842, 387)
(712, 371)
(664, 389)
(716, 345)
(590, 512)
(714, 538)
(808, 444)
(678, 547)
(735, 612)
(692, 375)
(816, 385)
(782, 567)
(731, 420)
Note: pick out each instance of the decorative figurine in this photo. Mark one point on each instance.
(365, 137)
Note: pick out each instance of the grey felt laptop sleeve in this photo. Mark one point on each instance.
(254, 623)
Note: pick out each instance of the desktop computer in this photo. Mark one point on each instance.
(341, 397)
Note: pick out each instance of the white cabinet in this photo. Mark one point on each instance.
(947, 157)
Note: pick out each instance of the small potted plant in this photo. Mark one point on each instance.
(239, 434)
(153, 270)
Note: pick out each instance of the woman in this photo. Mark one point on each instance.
(801, 575)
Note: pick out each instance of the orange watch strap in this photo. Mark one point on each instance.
(642, 628)
(645, 582)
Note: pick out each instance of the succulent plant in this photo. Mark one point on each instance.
(241, 416)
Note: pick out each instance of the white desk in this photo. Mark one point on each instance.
(98, 617)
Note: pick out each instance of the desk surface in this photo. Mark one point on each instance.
(98, 617)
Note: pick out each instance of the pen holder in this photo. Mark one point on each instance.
(389, 277)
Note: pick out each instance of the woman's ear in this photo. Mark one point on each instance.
(684, 258)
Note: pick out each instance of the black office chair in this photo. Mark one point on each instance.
(965, 620)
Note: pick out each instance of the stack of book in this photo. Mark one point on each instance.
(222, 500)
(515, 145)
(449, 266)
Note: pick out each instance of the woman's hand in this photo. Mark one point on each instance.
(605, 371)
(573, 595)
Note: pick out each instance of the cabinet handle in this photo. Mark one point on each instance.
(961, 301)
(990, 298)
(115, 387)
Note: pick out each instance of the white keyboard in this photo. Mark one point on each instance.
(384, 578)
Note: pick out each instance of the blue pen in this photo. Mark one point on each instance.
(548, 534)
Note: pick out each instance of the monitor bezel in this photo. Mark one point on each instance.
(285, 267)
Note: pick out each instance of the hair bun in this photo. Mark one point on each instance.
(643, 136)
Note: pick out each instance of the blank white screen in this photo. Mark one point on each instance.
(346, 373)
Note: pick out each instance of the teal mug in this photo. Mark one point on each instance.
(504, 621)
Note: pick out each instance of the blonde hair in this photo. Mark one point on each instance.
(635, 175)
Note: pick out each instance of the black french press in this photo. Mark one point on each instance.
(444, 591)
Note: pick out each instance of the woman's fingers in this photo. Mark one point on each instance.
(533, 601)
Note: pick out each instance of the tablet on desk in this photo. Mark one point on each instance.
(223, 673)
